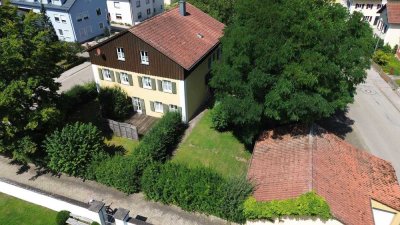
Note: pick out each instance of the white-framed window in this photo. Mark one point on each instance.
(116, 5)
(121, 54)
(118, 16)
(167, 86)
(138, 4)
(158, 107)
(144, 56)
(85, 15)
(107, 74)
(370, 6)
(101, 25)
(57, 18)
(124, 78)
(139, 15)
(147, 2)
(98, 11)
(60, 32)
(63, 19)
(173, 108)
(147, 83)
(148, 11)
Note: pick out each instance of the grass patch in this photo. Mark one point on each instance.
(398, 82)
(393, 67)
(14, 211)
(207, 147)
(128, 144)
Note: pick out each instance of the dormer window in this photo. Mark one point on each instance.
(144, 56)
(121, 54)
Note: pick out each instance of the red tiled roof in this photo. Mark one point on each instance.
(177, 36)
(293, 160)
(393, 12)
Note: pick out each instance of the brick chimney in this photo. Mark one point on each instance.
(182, 7)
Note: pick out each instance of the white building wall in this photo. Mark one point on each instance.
(64, 30)
(295, 221)
(370, 14)
(134, 11)
(392, 36)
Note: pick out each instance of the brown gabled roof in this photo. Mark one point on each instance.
(184, 39)
(393, 12)
(290, 161)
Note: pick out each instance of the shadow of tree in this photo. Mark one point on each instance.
(338, 124)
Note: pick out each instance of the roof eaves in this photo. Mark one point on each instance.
(108, 40)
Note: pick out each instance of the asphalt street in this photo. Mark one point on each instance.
(375, 114)
(78, 75)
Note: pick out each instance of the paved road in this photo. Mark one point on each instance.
(76, 189)
(78, 75)
(376, 116)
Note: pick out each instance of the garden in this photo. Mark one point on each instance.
(385, 56)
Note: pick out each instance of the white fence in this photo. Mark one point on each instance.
(47, 201)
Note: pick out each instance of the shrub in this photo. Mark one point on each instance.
(309, 205)
(124, 173)
(198, 189)
(381, 58)
(219, 117)
(115, 103)
(77, 96)
(94, 223)
(118, 172)
(74, 148)
(62, 217)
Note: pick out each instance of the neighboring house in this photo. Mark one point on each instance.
(388, 27)
(369, 8)
(133, 11)
(359, 187)
(163, 63)
(73, 20)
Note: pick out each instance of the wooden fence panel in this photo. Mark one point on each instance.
(125, 130)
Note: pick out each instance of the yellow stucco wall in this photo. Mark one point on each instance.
(378, 205)
(146, 94)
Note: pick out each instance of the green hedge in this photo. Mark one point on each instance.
(115, 103)
(200, 189)
(309, 204)
(62, 217)
(124, 173)
(77, 96)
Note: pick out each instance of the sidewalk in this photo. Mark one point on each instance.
(77, 75)
(76, 189)
(385, 88)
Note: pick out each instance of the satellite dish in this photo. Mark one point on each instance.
(98, 51)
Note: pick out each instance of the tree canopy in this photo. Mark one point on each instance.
(29, 53)
(288, 61)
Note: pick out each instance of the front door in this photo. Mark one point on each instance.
(137, 105)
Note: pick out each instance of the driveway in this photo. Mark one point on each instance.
(376, 120)
(78, 75)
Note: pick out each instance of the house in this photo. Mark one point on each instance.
(388, 26)
(359, 187)
(73, 20)
(369, 8)
(163, 63)
(132, 12)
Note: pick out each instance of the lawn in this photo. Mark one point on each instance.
(128, 144)
(208, 147)
(17, 212)
(393, 67)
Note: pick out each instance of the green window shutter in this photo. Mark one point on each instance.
(180, 110)
(166, 108)
(143, 106)
(134, 105)
(101, 74)
(118, 75)
(140, 80)
(112, 76)
(173, 88)
(153, 84)
(130, 79)
(152, 106)
(159, 84)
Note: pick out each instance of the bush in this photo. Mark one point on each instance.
(381, 58)
(198, 189)
(309, 205)
(115, 103)
(219, 117)
(94, 223)
(62, 217)
(124, 173)
(74, 148)
(77, 96)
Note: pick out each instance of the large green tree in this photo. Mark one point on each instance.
(289, 60)
(29, 52)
